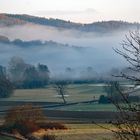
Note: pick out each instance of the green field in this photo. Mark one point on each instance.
(75, 93)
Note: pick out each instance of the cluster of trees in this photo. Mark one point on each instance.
(22, 75)
(25, 75)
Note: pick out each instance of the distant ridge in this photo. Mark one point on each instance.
(104, 26)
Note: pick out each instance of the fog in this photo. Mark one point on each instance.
(84, 49)
(66, 36)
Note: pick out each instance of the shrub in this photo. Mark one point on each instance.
(23, 128)
(104, 100)
(24, 119)
(27, 119)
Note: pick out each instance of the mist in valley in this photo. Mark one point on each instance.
(74, 49)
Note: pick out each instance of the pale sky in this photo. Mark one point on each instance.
(84, 11)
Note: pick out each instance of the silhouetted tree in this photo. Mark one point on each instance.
(128, 120)
(36, 77)
(25, 75)
(43, 74)
(31, 78)
(6, 87)
(61, 89)
(16, 69)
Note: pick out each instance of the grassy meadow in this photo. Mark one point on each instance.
(75, 93)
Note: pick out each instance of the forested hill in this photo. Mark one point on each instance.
(104, 26)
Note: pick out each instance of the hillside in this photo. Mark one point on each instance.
(10, 21)
(104, 26)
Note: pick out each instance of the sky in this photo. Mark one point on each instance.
(84, 11)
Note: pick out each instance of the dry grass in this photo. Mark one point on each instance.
(79, 132)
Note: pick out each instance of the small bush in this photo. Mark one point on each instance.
(27, 119)
(25, 128)
(104, 100)
(23, 119)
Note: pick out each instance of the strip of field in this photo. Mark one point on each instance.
(74, 132)
(75, 92)
(80, 132)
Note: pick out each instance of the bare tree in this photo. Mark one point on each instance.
(61, 89)
(131, 52)
(16, 69)
(128, 118)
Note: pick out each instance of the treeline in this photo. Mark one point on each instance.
(44, 21)
(22, 43)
